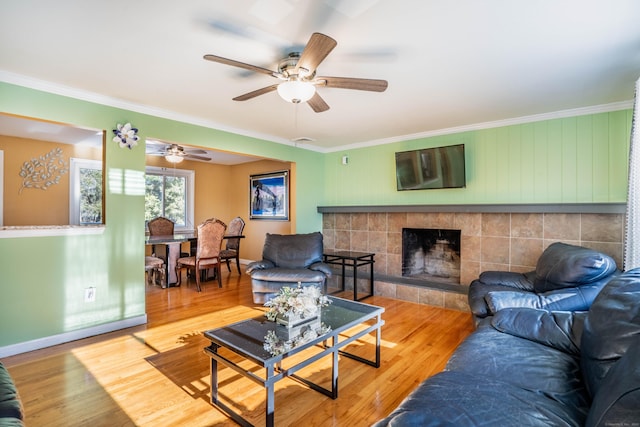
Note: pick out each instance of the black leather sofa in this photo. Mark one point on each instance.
(11, 411)
(533, 367)
(567, 277)
(288, 259)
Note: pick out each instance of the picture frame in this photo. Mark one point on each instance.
(269, 196)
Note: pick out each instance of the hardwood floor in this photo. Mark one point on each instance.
(157, 374)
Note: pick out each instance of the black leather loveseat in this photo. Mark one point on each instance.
(532, 367)
(11, 412)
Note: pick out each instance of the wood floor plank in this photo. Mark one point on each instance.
(158, 375)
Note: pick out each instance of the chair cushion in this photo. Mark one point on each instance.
(290, 275)
(293, 250)
(562, 266)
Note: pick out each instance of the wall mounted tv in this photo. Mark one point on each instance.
(429, 168)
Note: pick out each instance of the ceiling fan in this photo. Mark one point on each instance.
(175, 153)
(298, 74)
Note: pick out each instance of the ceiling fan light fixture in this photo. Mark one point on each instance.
(173, 158)
(295, 91)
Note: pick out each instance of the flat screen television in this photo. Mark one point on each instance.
(429, 168)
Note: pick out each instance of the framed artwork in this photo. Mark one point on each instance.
(269, 196)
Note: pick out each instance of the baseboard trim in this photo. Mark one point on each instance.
(37, 344)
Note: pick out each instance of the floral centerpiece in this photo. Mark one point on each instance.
(296, 312)
(296, 303)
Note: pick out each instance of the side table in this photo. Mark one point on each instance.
(352, 259)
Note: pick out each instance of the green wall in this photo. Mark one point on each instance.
(43, 278)
(570, 160)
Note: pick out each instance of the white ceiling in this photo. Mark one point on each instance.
(450, 64)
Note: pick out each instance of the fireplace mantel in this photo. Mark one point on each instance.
(577, 208)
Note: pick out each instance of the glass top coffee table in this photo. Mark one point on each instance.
(247, 339)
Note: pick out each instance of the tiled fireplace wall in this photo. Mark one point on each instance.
(490, 241)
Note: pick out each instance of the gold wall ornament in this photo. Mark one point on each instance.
(44, 171)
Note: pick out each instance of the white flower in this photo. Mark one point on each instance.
(301, 301)
(126, 135)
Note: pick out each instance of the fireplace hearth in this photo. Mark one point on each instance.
(431, 254)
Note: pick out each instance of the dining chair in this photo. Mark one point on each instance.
(154, 266)
(232, 248)
(160, 226)
(210, 235)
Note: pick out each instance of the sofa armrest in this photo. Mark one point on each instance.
(557, 329)
(259, 265)
(321, 267)
(567, 299)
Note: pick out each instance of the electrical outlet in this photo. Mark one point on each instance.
(90, 294)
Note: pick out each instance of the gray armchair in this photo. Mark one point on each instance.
(286, 261)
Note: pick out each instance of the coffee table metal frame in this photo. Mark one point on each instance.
(246, 339)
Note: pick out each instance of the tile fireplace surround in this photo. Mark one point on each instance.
(511, 240)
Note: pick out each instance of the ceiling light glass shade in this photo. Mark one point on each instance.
(295, 91)
(173, 158)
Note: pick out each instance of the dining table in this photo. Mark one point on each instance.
(173, 243)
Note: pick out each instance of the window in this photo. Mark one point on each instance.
(169, 193)
(85, 190)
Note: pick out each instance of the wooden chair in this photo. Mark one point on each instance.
(160, 226)
(232, 249)
(210, 236)
(154, 266)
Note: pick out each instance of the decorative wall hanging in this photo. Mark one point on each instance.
(44, 171)
(126, 136)
(269, 196)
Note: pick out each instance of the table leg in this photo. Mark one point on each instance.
(334, 375)
(173, 253)
(355, 280)
(371, 277)
(270, 409)
(214, 379)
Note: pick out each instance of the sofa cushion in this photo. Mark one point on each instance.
(618, 402)
(293, 250)
(11, 411)
(464, 399)
(612, 325)
(558, 329)
(562, 266)
(525, 364)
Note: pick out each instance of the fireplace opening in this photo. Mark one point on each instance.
(431, 254)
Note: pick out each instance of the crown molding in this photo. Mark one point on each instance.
(76, 93)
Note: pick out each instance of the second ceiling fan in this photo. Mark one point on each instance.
(298, 74)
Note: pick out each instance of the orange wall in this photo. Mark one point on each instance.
(34, 206)
(223, 192)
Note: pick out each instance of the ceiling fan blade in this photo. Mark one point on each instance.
(255, 93)
(193, 156)
(239, 64)
(194, 150)
(317, 103)
(316, 50)
(371, 85)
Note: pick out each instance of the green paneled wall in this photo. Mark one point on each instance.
(570, 160)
